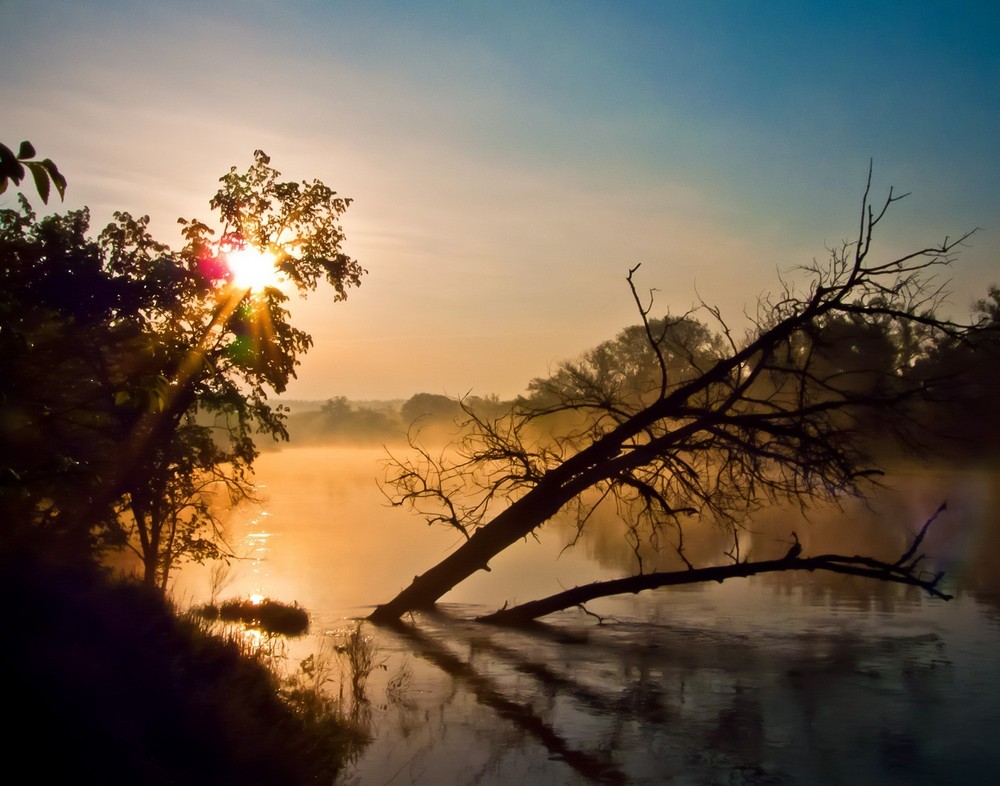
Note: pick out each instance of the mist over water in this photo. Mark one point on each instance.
(788, 678)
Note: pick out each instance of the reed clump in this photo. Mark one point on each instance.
(269, 616)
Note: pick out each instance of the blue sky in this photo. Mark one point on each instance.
(510, 161)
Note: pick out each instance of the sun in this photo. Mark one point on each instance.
(253, 269)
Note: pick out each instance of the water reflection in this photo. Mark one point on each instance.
(639, 701)
(521, 714)
(770, 680)
(964, 541)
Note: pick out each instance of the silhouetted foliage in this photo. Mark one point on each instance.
(430, 407)
(674, 423)
(135, 378)
(269, 616)
(961, 378)
(44, 173)
(138, 376)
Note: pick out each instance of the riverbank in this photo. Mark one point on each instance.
(106, 683)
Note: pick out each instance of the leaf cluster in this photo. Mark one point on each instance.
(44, 173)
(298, 222)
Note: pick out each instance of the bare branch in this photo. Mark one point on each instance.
(653, 343)
(867, 567)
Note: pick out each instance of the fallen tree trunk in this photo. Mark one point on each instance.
(692, 424)
(607, 457)
(509, 527)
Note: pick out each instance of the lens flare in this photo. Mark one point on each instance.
(253, 269)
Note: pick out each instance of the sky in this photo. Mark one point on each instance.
(510, 161)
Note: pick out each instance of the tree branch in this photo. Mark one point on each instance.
(898, 572)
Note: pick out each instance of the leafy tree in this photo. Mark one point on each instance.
(59, 313)
(340, 418)
(674, 424)
(961, 379)
(140, 375)
(431, 406)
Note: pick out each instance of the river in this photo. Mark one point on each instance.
(771, 680)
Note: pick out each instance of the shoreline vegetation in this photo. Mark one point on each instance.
(124, 688)
(339, 420)
(271, 617)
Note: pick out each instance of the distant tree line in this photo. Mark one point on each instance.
(341, 421)
(956, 417)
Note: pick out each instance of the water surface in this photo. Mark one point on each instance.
(782, 679)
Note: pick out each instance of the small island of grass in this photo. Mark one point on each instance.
(266, 615)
